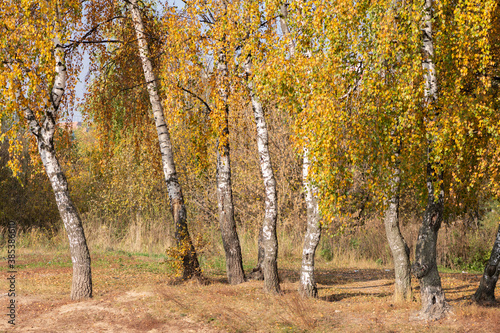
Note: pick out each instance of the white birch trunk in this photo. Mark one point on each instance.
(307, 286)
(399, 248)
(434, 305)
(230, 240)
(81, 287)
(80, 257)
(183, 239)
(269, 238)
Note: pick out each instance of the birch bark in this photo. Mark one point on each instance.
(434, 305)
(269, 239)
(399, 248)
(486, 291)
(230, 240)
(257, 271)
(191, 267)
(81, 287)
(307, 286)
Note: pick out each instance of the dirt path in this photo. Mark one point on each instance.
(117, 314)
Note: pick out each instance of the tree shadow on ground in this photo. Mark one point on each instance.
(329, 277)
(341, 296)
(340, 275)
(468, 277)
(217, 280)
(459, 289)
(368, 287)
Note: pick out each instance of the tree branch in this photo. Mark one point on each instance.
(95, 42)
(197, 97)
(90, 32)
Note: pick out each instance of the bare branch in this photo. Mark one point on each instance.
(197, 97)
(90, 32)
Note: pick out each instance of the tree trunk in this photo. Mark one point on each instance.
(257, 273)
(307, 286)
(399, 248)
(434, 305)
(80, 256)
(230, 240)
(269, 239)
(284, 28)
(486, 291)
(189, 259)
(81, 287)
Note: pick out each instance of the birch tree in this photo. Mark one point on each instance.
(34, 76)
(354, 105)
(189, 258)
(399, 248)
(434, 305)
(213, 25)
(232, 248)
(307, 286)
(457, 108)
(224, 48)
(267, 237)
(486, 291)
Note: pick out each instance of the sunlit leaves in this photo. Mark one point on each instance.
(27, 59)
(355, 87)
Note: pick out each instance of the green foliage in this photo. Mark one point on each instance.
(27, 197)
(325, 251)
(354, 243)
(470, 245)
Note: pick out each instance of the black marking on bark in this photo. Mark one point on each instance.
(491, 270)
(419, 270)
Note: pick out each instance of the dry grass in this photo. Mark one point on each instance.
(133, 289)
(132, 294)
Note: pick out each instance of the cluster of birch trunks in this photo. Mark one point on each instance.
(424, 268)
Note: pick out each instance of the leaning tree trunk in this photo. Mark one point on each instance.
(399, 248)
(80, 257)
(191, 267)
(486, 291)
(269, 240)
(307, 286)
(230, 240)
(434, 305)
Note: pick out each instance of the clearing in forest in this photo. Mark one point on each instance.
(133, 294)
